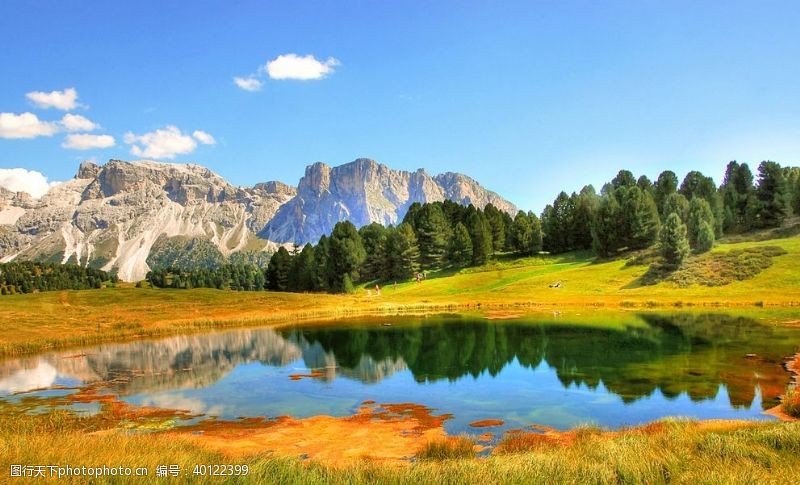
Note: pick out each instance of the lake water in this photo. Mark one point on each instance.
(611, 371)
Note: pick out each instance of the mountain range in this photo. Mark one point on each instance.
(130, 216)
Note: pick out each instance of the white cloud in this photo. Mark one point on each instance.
(25, 125)
(162, 143)
(87, 142)
(72, 122)
(63, 100)
(42, 376)
(21, 180)
(203, 137)
(248, 83)
(292, 66)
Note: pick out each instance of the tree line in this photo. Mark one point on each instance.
(629, 213)
(31, 276)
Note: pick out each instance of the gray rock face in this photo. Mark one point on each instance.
(110, 217)
(365, 191)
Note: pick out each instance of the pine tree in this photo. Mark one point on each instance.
(695, 184)
(402, 252)
(481, 236)
(666, 185)
(346, 254)
(521, 233)
(584, 206)
(432, 232)
(736, 188)
(674, 243)
(699, 214)
(537, 237)
(639, 222)
(461, 247)
(278, 270)
(301, 276)
(557, 223)
(373, 236)
(624, 178)
(705, 238)
(678, 204)
(497, 225)
(796, 198)
(319, 268)
(606, 225)
(772, 195)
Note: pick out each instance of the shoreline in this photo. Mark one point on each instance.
(133, 327)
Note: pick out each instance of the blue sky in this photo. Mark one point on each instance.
(527, 97)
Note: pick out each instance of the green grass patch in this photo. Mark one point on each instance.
(719, 269)
(716, 268)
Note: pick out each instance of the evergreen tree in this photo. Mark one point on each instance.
(461, 247)
(346, 254)
(373, 236)
(772, 195)
(695, 184)
(699, 214)
(497, 225)
(526, 234)
(705, 238)
(537, 236)
(674, 244)
(557, 223)
(645, 185)
(402, 252)
(278, 270)
(666, 185)
(638, 218)
(606, 225)
(301, 276)
(737, 187)
(796, 197)
(624, 178)
(678, 204)
(521, 233)
(584, 207)
(481, 236)
(433, 233)
(319, 269)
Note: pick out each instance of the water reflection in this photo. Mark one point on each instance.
(559, 373)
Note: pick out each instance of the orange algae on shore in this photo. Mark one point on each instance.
(310, 375)
(487, 423)
(401, 429)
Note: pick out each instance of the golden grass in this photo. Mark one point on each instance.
(675, 451)
(452, 447)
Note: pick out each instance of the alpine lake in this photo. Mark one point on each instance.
(556, 371)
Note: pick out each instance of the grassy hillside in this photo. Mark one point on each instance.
(36, 321)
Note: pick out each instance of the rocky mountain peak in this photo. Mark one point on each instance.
(129, 215)
(365, 191)
(87, 170)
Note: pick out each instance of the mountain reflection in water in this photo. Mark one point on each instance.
(704, 365)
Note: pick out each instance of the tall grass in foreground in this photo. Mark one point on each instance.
(791, 402)
(679, 451)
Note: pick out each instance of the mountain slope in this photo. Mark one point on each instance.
(365, 191)
(118, 216)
